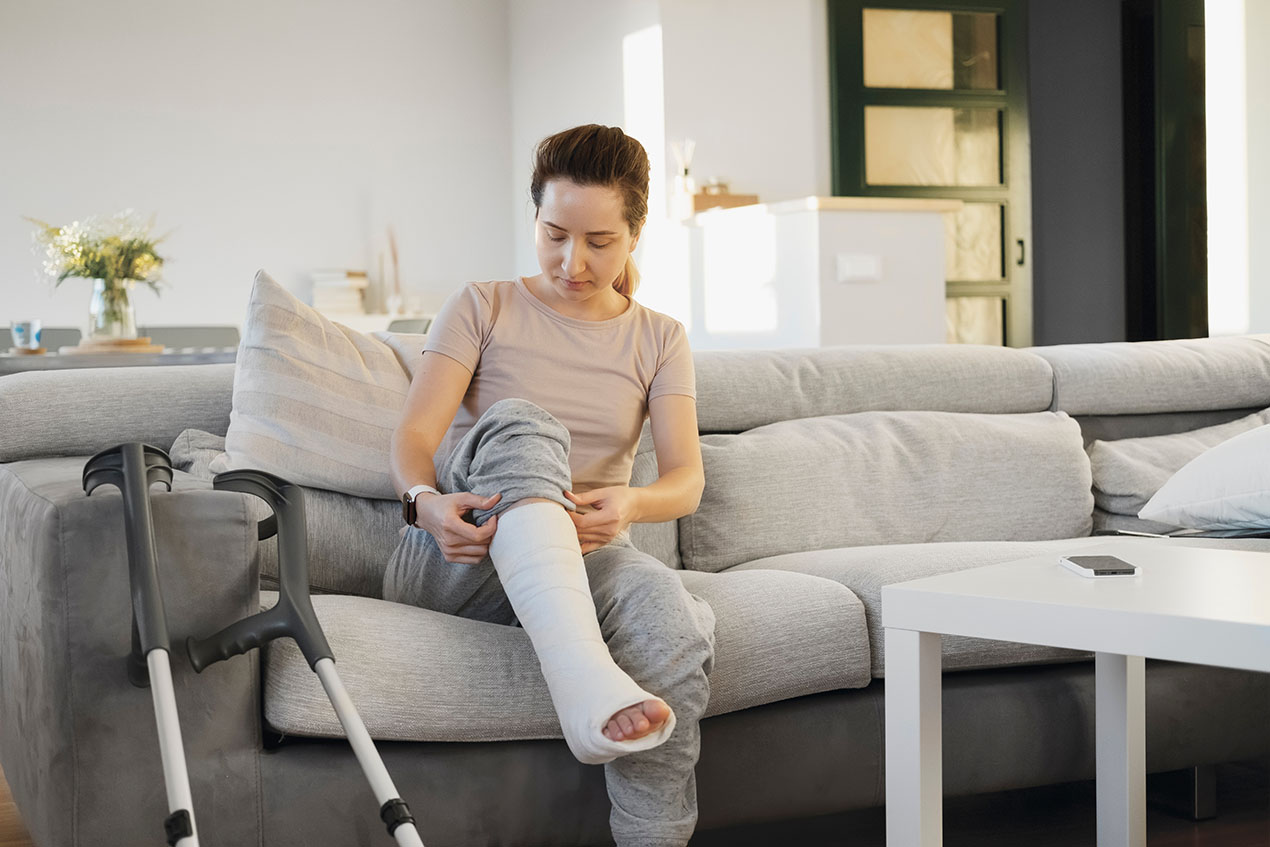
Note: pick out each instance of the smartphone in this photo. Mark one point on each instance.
(1098, 566)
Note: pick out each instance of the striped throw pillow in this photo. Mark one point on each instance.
(314, 401)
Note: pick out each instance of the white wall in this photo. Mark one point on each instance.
(748, 80)
(566, 70)
(283, 134)
(1257, 21)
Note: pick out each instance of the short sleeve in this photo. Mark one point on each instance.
(461, 328)
(675, 373)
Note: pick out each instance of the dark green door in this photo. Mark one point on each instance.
(928, 99)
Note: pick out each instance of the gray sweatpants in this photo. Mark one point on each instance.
(656, 631)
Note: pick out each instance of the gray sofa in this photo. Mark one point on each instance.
(829, 473)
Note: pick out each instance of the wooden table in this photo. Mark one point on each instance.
(1187, 604)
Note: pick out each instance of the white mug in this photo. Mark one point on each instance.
(26, 334)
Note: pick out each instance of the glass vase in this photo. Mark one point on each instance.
(110, 312)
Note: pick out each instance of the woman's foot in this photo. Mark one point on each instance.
(637, 721)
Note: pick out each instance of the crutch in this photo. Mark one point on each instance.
(293, 617)
(133, 468)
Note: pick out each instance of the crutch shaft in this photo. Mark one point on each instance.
(364, 748)
(171, 749)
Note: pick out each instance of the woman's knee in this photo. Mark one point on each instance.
(652, 595)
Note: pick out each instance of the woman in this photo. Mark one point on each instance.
(515, 450)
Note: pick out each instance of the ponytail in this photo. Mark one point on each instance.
(628, 282)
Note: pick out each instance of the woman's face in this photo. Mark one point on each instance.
(582, 239)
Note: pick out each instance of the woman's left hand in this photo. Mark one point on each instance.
(613, 510)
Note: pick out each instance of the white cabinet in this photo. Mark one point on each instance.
(818, 272)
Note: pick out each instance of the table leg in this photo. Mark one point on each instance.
(1120, 701)
(914, 740)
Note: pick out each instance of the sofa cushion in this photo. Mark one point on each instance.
(1225, 488)
(1125, 378)
(314, 401)
(420, 675)
(866, 569)
(80, 411)
(887, 478)
(1107, 523)
(350, 539)
(740, 390)
(1127, 472)
(659, 540)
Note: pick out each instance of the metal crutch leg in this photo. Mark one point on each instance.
(293, 617)
(133, 468)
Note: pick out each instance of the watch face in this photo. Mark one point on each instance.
(408, 512)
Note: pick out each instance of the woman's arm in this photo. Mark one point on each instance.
(680, 476)
(677, 491)
(435, 394)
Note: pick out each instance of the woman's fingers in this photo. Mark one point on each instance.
(470, 555)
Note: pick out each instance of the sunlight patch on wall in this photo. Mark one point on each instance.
(1226, 130)
(662, 251)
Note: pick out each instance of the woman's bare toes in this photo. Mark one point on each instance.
(637, 721)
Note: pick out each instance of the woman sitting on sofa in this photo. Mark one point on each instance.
(515, 449)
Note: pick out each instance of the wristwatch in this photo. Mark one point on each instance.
(409, 512)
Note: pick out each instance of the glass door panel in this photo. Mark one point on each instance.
(975, 320)
(922, 145)
(907, 48)
(974, 243)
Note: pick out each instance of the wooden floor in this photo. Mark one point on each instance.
(12, 833)
(1057, 816)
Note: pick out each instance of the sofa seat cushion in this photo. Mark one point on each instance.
(866, 569)
(887, 478)
(419, 675)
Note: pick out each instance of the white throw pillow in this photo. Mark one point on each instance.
(1226, 487)
(314, 401)
(1128, 471)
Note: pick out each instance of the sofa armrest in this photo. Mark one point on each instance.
(78, 743)
(78, 411)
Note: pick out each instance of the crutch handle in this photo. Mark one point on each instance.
(133, 468)
(293, 616)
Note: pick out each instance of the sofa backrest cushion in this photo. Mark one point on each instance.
(350, 539)
(1127, 378)
(314, 401)
(887, 478)
(79, 411)
(740, 390)
(1129, 471)
(659, 540)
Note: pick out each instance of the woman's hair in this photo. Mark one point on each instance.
(598, 155)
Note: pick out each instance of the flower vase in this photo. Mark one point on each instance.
(110, 312)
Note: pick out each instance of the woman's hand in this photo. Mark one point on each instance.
(614, 511)
(460, 542)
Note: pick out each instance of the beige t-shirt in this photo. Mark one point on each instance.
(595, 377)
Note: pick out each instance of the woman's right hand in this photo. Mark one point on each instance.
(460, 542)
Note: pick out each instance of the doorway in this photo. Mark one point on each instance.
(928, 99)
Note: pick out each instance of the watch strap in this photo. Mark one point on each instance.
(409, 511)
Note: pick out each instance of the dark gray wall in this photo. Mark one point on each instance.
(1078, 247)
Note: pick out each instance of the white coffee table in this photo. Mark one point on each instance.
(1188, 604)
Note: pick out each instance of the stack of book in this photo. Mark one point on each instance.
(339, 291)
